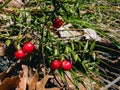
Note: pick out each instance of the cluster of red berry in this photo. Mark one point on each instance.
(65, 65)
(27, 48)
(56, 64)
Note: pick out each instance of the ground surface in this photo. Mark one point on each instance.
(23, 75)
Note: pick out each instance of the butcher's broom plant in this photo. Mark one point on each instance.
(40, 22)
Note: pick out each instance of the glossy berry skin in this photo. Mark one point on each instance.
(28, 47)
(54, 65)
(19, 54)
(57, 23)
(60, 61)
(66, 65)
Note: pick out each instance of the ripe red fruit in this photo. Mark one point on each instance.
(19, 54)
(57, 23)
(54, 65)
(60, 61)
(28, 47)
(66, 65)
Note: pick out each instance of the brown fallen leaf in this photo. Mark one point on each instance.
(69, 80)
(41, 84)
(55, 88)
(32, 82)
(60, 83)
(23, 79)
(10, 83)
(15, 3)
(2, 51)
(57, 80)
(4, 74)
(97, 87)
(89, 84)
(81, 87)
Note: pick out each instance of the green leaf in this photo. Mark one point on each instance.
(86, 46)
(19, 35)
(67, 49)
(75, 78)
(92, 46)
(8, 42)
(75, 57)
(72, 45)
(18, 47)
(49, 48)
(56, 51)
(63, 75)
(94, 55)
(5, 4)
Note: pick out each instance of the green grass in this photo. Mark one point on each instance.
(35, 19)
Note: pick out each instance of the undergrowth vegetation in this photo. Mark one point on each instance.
(33, 21)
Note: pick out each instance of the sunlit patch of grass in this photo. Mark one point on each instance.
(34, 22)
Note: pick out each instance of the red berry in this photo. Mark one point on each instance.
(28, 47)
(54, 65)
(66, 65)
(19, 54)
(57, 23)
(60, 61)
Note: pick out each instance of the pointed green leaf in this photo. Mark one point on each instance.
(72, 45)
(8, 42)
(86, 46)
(67, 49)
(56, 51)
(92, 46)
(76, 57)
